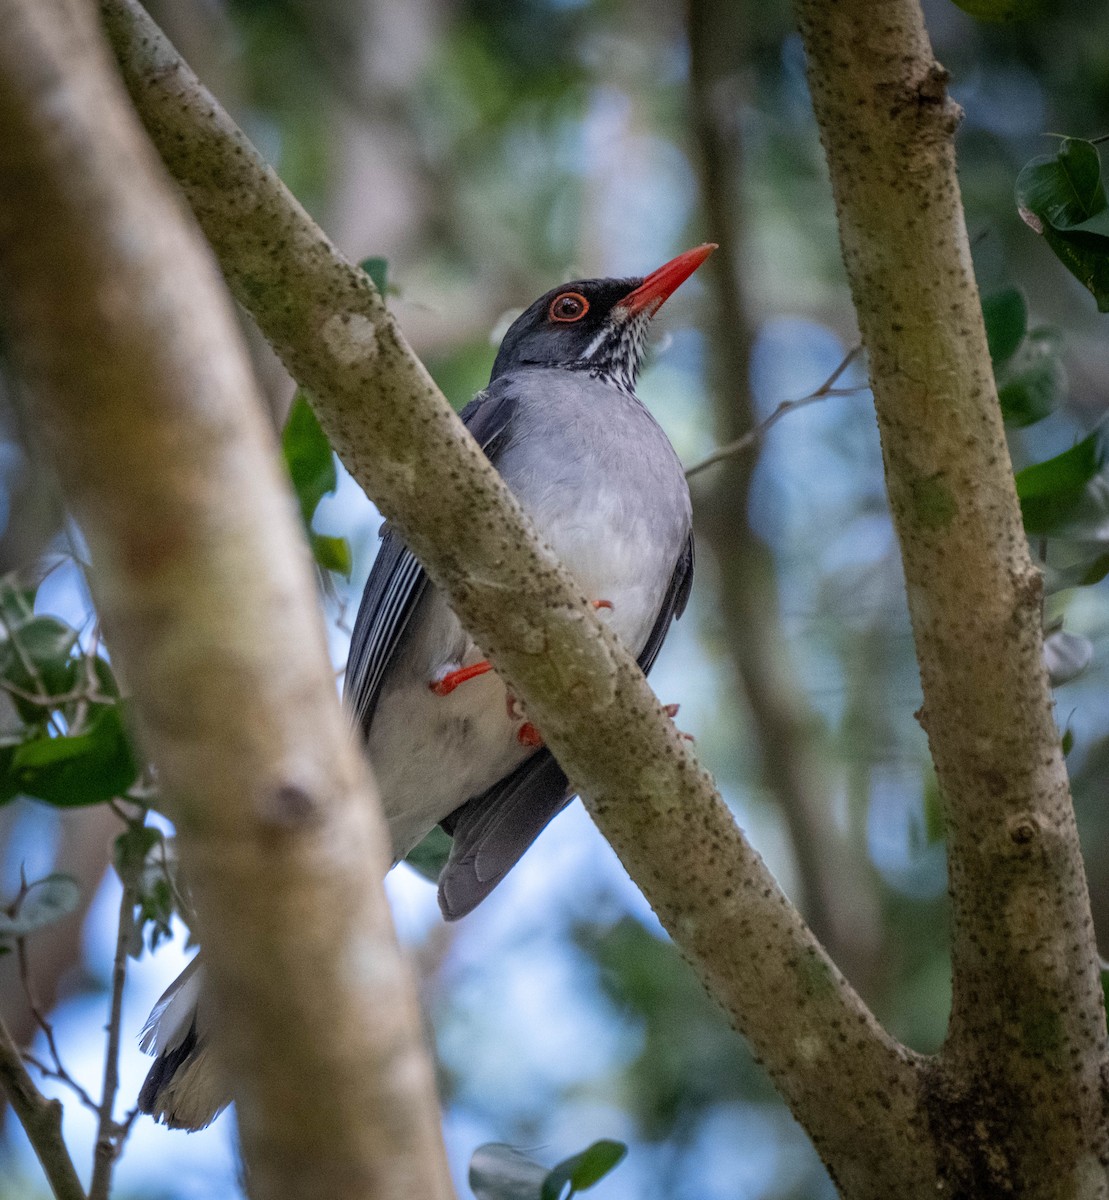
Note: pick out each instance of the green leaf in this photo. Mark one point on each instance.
(46, 901)
(1084, 573)
(1006, 316)
(16, 603)
(500, 1172)
(1087, 259)
(430, 856)
(38, 646)
(132, 846)
(935, 827)
(86, 768)
(332, 553)
(1063, 189)
(106, 683)
(1033, 383)
(308, 457)
(1000, 10)
(156, 913)
(1061, 196)
(9, 747)
(1067, 742)
(1050, 491)
(377, 269)
(583, 1170)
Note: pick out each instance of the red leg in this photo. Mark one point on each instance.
(528, 735)
(602, 604)
(452, 679)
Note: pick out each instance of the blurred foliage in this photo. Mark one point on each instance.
(311, 464)
(500, 1172)
(36, 906)
(65, 741)
(688, 1059)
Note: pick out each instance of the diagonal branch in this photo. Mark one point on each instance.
(852, 1086)
(41, 1120)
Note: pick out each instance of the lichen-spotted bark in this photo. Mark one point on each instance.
(1016, 1098)
(140, 388)
(852, 1086)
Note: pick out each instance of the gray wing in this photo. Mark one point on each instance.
(397, 582)
(673, 605)
(492, 831)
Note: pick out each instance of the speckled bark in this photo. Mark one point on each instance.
(124, 332)
(1016, 1098)
(854, 1089)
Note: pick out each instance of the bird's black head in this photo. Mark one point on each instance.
(596, 325)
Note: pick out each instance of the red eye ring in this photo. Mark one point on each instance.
(567, 307)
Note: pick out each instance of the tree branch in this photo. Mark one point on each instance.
(852, 1086)
(757, 432)
(41, 1120)
(109, 1134)
(140, 389)
(1017, 1098)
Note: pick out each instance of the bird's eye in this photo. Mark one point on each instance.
(569, 306)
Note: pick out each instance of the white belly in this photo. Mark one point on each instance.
(431, 753)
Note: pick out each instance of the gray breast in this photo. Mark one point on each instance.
(604, 487)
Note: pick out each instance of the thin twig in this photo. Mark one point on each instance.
(110, 1135)
(57, 1070)
(827, 388)
(41, 1120)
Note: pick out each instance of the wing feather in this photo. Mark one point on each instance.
(397, 582)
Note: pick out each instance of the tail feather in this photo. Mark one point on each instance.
(184, 1089)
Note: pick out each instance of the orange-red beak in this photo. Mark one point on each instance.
(652, 293)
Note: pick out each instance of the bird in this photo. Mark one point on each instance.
(448, 742)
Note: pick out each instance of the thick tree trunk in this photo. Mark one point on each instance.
(1016, 1102)
(141, 390)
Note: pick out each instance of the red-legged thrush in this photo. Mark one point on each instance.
(561, 422)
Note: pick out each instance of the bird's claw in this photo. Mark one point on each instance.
(445, 684)
(527, 734)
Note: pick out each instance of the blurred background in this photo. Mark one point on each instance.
(489, 151)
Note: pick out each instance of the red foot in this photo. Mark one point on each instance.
(528, 735)
(452, 679)
(602, 604)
